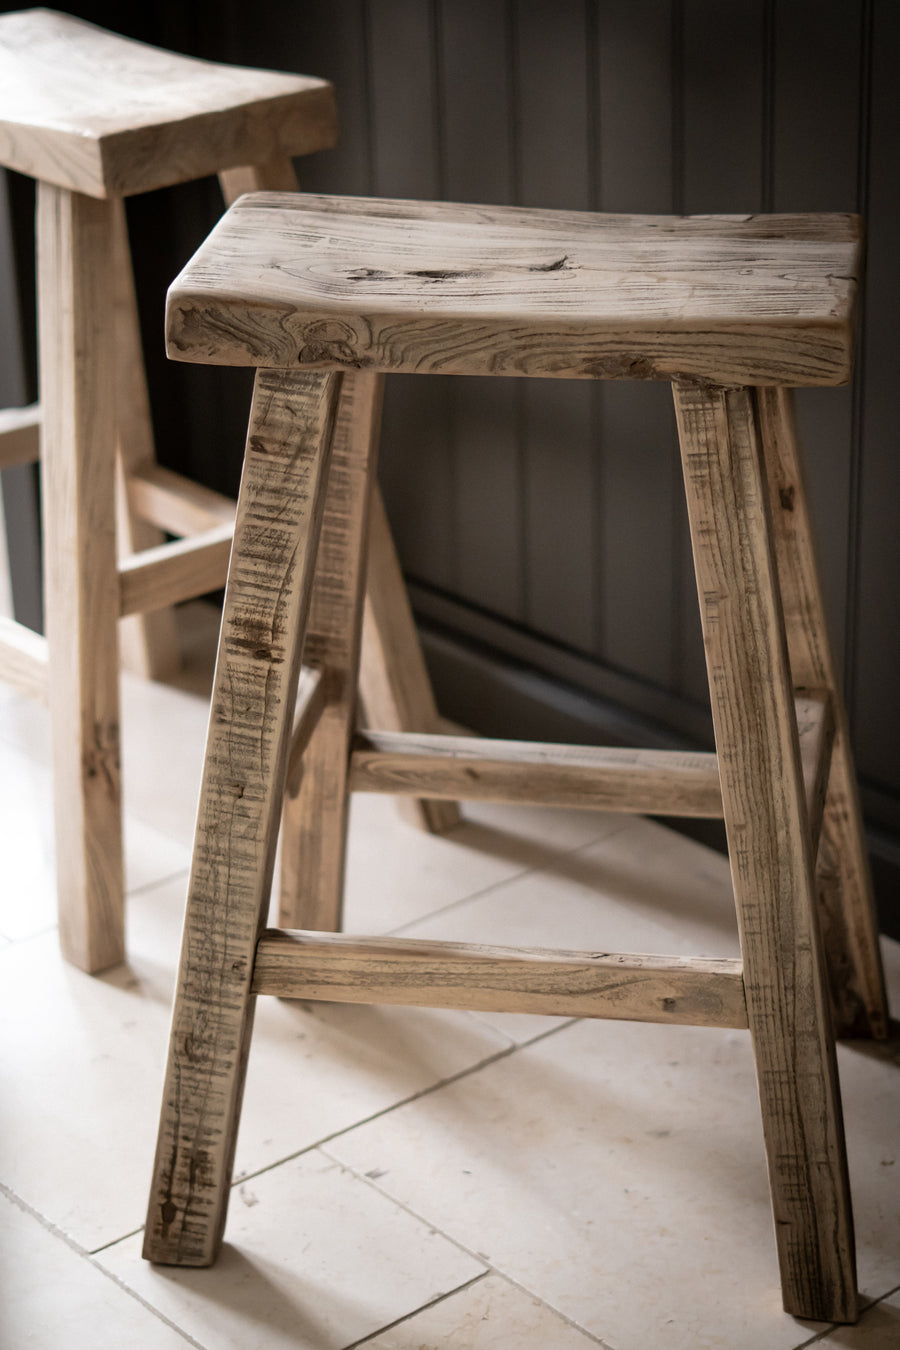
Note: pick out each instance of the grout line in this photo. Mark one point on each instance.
(490, 1267)
(536, 870)
(407, 1317)
(74, 1246)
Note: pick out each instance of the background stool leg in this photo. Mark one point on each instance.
(393, 682)
(148, 642)
(847, 909)
(396, 692)
(75, 241)
(266, 602)
(315, 820)
(770, 850)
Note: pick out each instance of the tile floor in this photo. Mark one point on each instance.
(407, 1179)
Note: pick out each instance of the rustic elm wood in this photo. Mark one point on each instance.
(100, 117)
(723, 308)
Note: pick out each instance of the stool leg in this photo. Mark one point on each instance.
(75, 240)
(770, 849)
(266, 602)
(315, 821)
(847, 910)
(394, 686)
(148, 642)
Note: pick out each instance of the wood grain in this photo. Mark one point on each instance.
(77, 348)
(308, 709)
(843, 883)
(279, 512)
(315, 821)
(396, 692)
(691, 991)
(106, 116)
(770, 850)
(602, 779)
(176, 571)
(175, 503)
(358, 284)
(148, 644)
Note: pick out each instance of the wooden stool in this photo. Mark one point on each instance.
(731, 311)
(96, 118)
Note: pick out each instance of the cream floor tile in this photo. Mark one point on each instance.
(315, 1260)
(53, 1296)
(28, 896)
(396, 874)
(491, 1314)
(877, 1329)
(617, 1172)
(87, 1057)
(641, 888)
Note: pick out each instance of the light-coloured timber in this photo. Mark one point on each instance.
(75, 243)
(279, 514)
(175, 503)
(363, 284)
(394, 684)
(652, 782)
(177, 571)
(148, 643)
(309, 708)
(844, 886)
(106, 116)
(769, 849)
(23, 659)
(315, 821)
(692, 991)
(815, 729)
(20, 435)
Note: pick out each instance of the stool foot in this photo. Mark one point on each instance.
(847, 910)
(315, 820)
(75, 241)
(770, 850)
(266, 603)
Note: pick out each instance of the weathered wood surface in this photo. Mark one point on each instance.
(20, 435)
(267, 598)
(148, 644)
(315, 820)
(23, 659)
(176, 571)
(175, 503)
(653, 782)
(394, 684)
(308, 709)
(417, 287)
(107, 116)
(770, 850)
(692, 991)
(815, 730)
(844, 887)
(77, 349)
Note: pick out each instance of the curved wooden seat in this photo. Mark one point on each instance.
(465, 290)
(104, 115)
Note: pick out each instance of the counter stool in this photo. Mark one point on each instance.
(96, 118)
(321, 295)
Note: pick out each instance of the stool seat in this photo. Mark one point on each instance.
(356, 283)
(106, 116)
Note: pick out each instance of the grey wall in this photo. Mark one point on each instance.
(541, 524)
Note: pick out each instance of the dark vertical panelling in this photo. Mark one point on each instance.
(475, 41)
(724, 61)
(816, 168)
(417, 468)
(875, 706)
(555, 112)
(639, 493)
